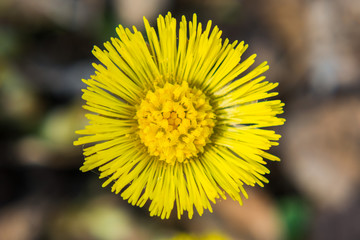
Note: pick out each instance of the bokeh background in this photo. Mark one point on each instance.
(313, 48)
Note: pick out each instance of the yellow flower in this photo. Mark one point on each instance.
(210, 236)
(175, 120)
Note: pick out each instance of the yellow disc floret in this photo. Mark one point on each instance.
(175, 122)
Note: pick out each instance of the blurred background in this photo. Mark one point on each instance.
(313, 49)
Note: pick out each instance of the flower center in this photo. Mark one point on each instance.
(175, 122)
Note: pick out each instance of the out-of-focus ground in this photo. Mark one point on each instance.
(313, 48)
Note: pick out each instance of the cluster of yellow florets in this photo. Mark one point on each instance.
(175, 122)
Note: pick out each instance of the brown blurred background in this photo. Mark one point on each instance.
(313, 48)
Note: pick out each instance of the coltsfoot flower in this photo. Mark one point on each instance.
(209, 236)
(175, 119)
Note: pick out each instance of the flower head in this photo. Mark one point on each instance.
(176, 120)
(209, 236)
